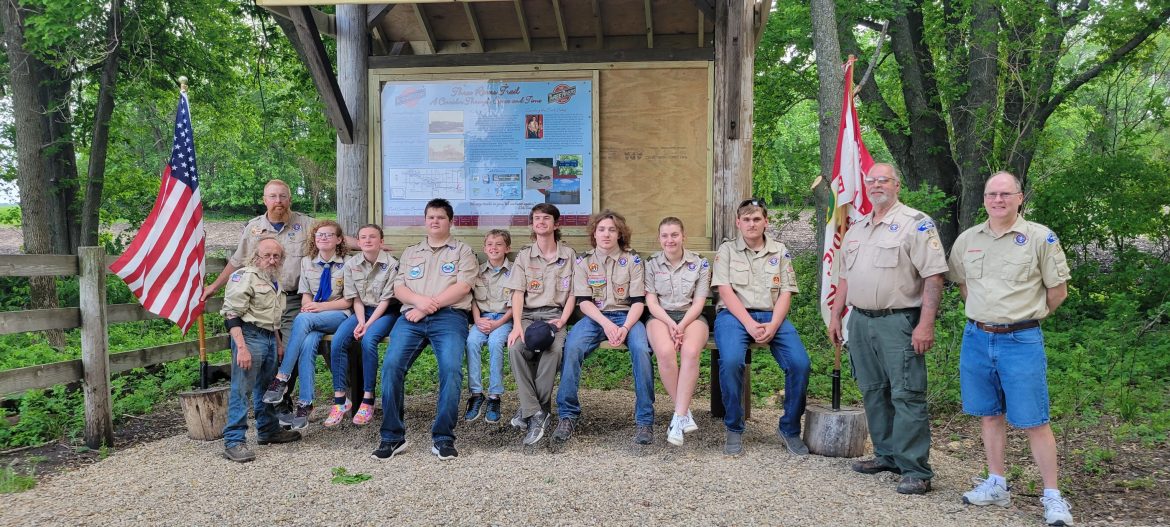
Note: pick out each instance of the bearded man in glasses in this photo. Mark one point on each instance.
(1012, 274)
(892, 280)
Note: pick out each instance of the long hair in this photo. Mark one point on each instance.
(619, 221)
(311, 242)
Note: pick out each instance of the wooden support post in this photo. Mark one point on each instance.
(95, 354)
(734, 59)
(352, 77)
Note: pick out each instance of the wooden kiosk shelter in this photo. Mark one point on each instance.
(666, 86)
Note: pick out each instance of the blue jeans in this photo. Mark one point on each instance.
(583, 339)
(446, 330)
(732, 340)
(1005, 373)
(339, 351)
(262, 346)
(496, 342)
(301, 348)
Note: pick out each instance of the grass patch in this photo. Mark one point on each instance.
(13, 481)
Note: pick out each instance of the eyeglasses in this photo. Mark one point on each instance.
(323, 235)
(999, 195)
(879, 180)
(755, 202)
(276, 256)
(277, 196)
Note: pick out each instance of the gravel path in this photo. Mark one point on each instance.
(599, 479)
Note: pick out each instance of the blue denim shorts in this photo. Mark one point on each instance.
(1005, 373)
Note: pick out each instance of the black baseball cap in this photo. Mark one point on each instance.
(539, 336)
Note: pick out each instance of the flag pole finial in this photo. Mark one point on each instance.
(183, 84)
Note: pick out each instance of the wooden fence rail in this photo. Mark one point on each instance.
(93, 316)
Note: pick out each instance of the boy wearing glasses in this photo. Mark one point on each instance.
(1012, 274)
(755, 279)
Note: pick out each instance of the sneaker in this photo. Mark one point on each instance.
(1057, 511)
(733, 444)
(795, 445)
(688, 423)
(474, 407)
(492, 415)
(644, 435)
(988, 493)
(239, 453)
(565, 428)
(674, 434)
(913, 485)
(536, 425)
(363, 415)
(284, 414)
(283, 436)
(445, 450)
(389, 449)
(300, 420)
(519, 422)
(337, 413)
(873, 466)
(275, 392)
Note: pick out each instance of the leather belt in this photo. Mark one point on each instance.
(1007, 328)
(878, 313)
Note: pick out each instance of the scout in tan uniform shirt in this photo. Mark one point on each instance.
(434, 285)
(1012, 274)
(678, 283)
(755, 279)
(251, 312)
(893, 278)
(541, 283)
(369, 284)
(492, 322)
(610, 285)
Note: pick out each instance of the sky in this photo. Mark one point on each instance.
(8, 192)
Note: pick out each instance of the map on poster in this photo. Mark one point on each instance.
(492, 148)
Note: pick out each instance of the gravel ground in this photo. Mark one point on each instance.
(599, 478)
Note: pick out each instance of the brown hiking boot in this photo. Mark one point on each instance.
(873, 466)
(913, 485)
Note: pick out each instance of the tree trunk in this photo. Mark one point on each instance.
(101, 128)
(974, 121)
(832, 79)
(62, 162)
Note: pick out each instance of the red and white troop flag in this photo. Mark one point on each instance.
(164, 265)
(849, 203)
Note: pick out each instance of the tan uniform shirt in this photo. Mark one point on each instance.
(758, 278)
(545, 283)
(371, 283)
(1008, 276)
(253, 298)
(291, 236)
(491, 295)
(677, 288)
(611, 280)
(885, 262)
(428, 271)
(311, 270)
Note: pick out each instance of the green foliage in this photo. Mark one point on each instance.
(929, 199)
(12, 481)
(344, 477)
(10, 215)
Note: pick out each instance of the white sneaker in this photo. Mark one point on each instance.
(688, 423)
(1056, 511)
(988, 493)
(674, 434)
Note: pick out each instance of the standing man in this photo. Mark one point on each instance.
(893, 278)
(434, 284)
(251, 312)
(755, 279)
(1012, 274)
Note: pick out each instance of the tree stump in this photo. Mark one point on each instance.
(205, 412)
(841, 433)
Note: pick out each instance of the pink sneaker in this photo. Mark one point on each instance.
(337, 413)
(364, 414)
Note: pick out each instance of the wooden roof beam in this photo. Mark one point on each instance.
(649, 25)
(474, 23)
(426, 27)
(375, 12)
(597, 25)
(706, 7)
(702, 35)
(523, 24)
(326, 23)
(560, 24)
(321, 68)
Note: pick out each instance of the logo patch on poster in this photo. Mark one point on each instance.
(410, 96)
(561, 94)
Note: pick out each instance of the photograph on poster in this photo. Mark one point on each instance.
(445, 122)
(534, 126)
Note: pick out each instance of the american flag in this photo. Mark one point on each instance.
(164, 264)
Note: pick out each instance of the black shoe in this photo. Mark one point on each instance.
(873, 466)
(283, 436)
(300, 419)
(389, 449)
(474, 407)
(492, 415)
(913, 485)
(536, 425)
(644, 435)
(284, 413)
(565, 429)
(445, 450)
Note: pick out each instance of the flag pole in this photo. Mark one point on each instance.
(203, 367)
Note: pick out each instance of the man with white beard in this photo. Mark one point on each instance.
(252, 308)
